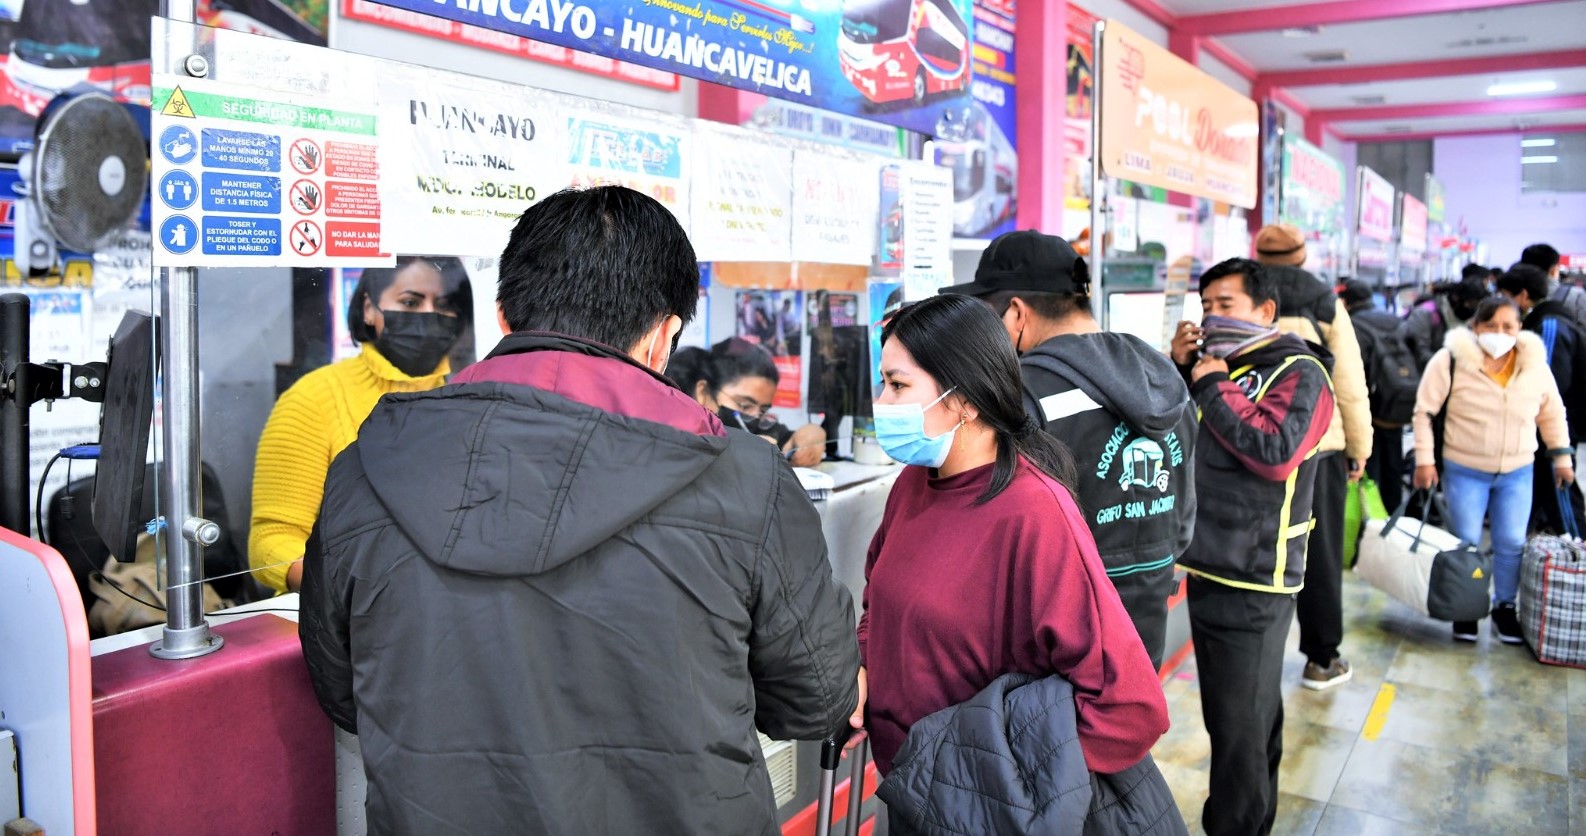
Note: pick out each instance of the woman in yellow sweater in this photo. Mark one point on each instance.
(407, 318)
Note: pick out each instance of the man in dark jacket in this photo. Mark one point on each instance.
(1266, 402)
(1549, 318)
(1309, 308)
(1116, 402)
(1380, 332)
(556, 596)
(1451, 306)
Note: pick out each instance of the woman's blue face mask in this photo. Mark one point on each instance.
(900, 429)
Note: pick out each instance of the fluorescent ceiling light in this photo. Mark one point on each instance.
(1537, 160)
(1522, 88)
(1538, 143)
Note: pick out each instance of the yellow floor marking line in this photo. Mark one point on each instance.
(1379, 712)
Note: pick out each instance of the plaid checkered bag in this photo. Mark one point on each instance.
(1552, 604)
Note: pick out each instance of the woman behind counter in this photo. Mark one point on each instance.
(737, 379)
(983, 564)
(407, 318)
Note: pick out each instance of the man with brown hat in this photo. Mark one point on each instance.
(1309, 308)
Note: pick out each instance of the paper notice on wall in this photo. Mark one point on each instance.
(927, 229)
(652, 160)
(245, 178)
(469, 156)
(742, 199)
(835, 202)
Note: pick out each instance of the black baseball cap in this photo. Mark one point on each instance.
(1027, 260)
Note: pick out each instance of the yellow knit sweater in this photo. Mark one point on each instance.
(311, 423)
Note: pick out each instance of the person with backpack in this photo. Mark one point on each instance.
(1545, 258)
(1116, 401)
(1450, 306)
(1492, 383)
(1564, 344)
(1310, 309)
(1392, 378)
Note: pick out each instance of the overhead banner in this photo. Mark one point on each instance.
(1375, 210)
(1435, 206)
(904, 62)
(789, 119)
(926, 193)
(977, 141)
(468, 160)
(1081, 72)
(241, 181)
(1412, 226)
(654, 159)
(741, 199)
(473, 36)
(835, 201)
(1313, 189)
(1166, 123)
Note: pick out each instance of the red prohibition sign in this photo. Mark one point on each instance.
(306, 238)
(306, 197)
(304, 156)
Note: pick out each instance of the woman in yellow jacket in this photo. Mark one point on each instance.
(408, 319)
(1499, 392)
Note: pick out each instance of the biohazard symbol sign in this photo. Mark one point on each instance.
(177, 105)
(305, 156)
(306, 238)
(306, 197)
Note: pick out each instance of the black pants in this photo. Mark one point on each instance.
(1145, 596)
(1239, 637)
(1386, 465)
(1546, 515)
(1321, 602)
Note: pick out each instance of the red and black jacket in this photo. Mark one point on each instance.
(1255, 469)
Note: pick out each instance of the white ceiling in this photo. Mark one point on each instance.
(1465, 88)
(1547, 27)
(1487, 33)
(1458, 124)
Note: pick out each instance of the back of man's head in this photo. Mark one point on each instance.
(1524, 278)
(606, 264)
(1475, 272)
(1356, 293)
(1541, 256)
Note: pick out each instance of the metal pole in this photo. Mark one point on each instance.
(186, 630)
(14, 433)
(1098, 237)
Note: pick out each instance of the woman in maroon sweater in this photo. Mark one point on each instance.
(983, 564)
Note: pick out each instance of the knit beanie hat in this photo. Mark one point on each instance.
(1281, 244)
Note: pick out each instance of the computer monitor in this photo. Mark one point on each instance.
(124, 421)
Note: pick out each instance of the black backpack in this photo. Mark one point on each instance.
(1392, 376)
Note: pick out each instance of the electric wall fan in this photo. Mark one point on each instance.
(84, 180)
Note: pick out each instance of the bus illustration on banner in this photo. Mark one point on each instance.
(904, 50)
(985, 170)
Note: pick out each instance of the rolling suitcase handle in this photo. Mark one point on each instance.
(831, 756)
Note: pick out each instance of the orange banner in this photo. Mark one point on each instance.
(1166, 123)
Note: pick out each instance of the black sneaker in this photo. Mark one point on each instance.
(1506, 623)
(1466, 631)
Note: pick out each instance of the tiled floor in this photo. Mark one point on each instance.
(1477, 739)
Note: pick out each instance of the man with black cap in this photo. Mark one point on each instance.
(1310, 309)
(1120, 404)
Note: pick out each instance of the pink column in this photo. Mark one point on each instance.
(1185, 46)
(720, 103)
(1314, 131)
(1041, 50)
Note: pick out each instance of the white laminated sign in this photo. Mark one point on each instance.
(244, 178)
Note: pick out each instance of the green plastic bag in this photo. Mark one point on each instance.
(1364, 502)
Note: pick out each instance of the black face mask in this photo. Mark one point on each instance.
(756, 426)
(417, 342)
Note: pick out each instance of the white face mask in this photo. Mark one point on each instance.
(1496, 345)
